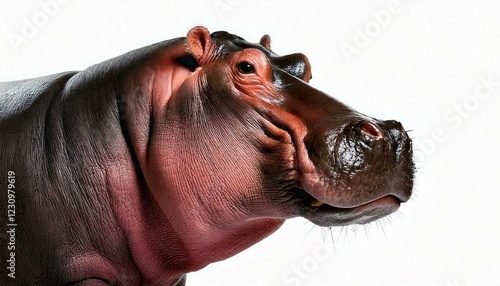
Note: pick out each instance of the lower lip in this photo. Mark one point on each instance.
(358, 215)
(376, 209)
(387, 201)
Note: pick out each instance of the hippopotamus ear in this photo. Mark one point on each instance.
(266, 42)
(200, 44)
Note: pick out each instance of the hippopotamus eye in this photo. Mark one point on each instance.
(245, 68)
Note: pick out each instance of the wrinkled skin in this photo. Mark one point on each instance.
(156, 163)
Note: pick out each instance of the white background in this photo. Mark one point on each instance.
(422, 65)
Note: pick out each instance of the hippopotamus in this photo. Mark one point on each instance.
(156, 163)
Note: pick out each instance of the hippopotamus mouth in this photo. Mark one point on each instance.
(322, 213)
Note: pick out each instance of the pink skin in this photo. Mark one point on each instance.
(187, 221)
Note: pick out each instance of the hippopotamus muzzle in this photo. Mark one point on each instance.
(366, 170)
(345, 167)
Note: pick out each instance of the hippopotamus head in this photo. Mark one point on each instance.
(259, 140)
(238, 141)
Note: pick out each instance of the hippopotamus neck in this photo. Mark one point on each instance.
(162, 246)
(83, 156)
(123, 112)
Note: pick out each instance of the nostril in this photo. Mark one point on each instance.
(372, 130)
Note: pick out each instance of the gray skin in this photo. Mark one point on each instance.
(156, 163)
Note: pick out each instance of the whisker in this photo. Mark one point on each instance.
(309, 232)
(331, 237)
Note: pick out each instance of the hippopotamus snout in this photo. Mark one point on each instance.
(363, 161)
